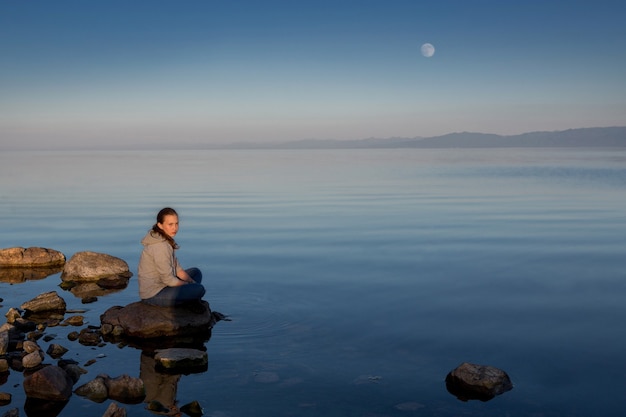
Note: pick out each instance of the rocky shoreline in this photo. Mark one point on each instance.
(173, 338)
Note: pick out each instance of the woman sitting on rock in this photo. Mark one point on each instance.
(162, 281)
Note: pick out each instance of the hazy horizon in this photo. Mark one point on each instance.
(590, 137)
(148, 74)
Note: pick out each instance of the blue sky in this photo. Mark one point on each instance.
(152, 73)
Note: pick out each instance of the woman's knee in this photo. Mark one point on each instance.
(195, 274)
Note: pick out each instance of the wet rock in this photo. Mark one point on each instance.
(4, 342)
(143, 320)
(89, 337)
(49, 383)
(33, 336)
(49, 301)
(49, 337)
(192, 409)
(477, 382)
(32, 360)
(31, 257)
(5, 398)
(181, 360)
(113, 410)
(4, 365)
(56, 351)
(96, 390)
(12, 315)
(74, 321)
(30, 347)
(126, 389)
(92, 266)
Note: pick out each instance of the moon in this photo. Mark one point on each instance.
(428, 50)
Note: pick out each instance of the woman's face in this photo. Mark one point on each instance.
(169, 225)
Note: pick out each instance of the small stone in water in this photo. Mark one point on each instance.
(193, 409)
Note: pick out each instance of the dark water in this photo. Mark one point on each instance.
(355, 280)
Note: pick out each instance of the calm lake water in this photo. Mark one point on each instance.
(355, 279)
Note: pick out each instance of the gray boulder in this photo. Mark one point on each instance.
(93, 266)
(31, 257)
(141, 320)
(477, 382)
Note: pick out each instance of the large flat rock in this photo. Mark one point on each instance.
(31, 257)
(142, 320)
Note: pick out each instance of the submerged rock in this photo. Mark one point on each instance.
(93, 266)
(477, 382)
(31, 257)
(182, 360)
(142, 320)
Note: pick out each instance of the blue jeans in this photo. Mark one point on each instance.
(175, 296)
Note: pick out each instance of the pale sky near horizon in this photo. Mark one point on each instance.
(152, 73)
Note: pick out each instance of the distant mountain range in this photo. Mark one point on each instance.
(594, 137)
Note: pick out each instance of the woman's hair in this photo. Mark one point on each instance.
(167, 211)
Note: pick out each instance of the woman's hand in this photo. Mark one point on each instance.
(184, 276)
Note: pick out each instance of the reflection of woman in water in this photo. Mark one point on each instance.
(162, 281)
(160, 387)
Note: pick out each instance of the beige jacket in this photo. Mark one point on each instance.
(158, 266)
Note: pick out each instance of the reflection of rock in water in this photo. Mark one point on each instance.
(12, 275)
(160, 386)
(35, 407)
(90, 289)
